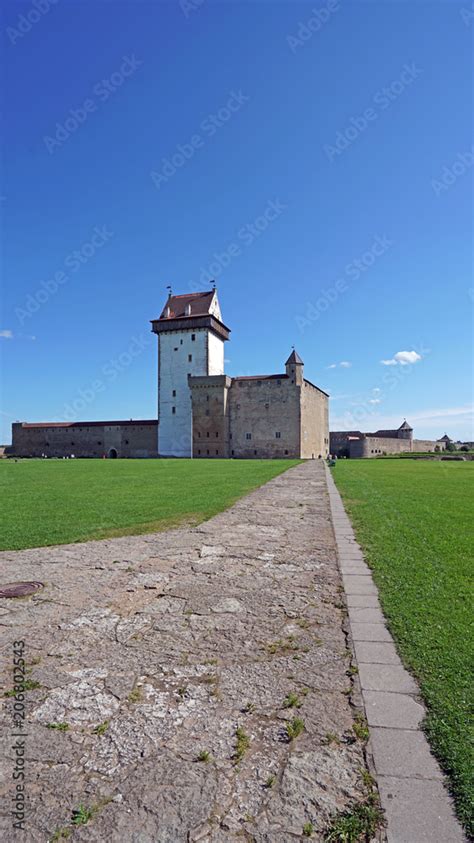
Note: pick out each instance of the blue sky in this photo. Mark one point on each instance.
(315, 159)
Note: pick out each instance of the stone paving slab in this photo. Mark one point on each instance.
(376, 652)
(396, 711)
(152, 650)
(386, 677)
(370, 632)
(411, 785)
(418, 811)
(404, 753)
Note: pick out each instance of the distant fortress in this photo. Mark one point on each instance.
(355, 444)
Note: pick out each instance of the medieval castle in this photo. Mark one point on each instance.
(202, 412)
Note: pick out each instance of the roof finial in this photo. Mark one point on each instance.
(170, 291)
(213, 282)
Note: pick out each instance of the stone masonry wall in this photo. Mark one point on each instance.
(314, 422)
(83, 440)
(373, 446)
(261, 409)
(210, 416)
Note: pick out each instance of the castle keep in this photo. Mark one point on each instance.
(202, 412)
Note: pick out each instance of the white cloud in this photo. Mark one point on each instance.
(344, 364)
(402, 358)
(376, 390)
(374, 400)
(332, 366)
(6, 334)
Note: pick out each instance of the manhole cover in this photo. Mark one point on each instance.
(19, 589)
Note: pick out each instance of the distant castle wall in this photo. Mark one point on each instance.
(372, 446)
(85, 439)
(358, 445)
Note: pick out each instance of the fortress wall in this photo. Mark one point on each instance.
(427, 445)
(83, 440)
(314, 422)
(210, 416)
(373, 446)
(263, 408)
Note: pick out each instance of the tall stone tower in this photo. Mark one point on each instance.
(191, 338)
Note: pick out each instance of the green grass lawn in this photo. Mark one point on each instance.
(415, 522)
(45, 502)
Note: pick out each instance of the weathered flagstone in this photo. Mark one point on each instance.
(155, 649)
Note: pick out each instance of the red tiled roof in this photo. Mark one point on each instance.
(128, 422)
(200, 304)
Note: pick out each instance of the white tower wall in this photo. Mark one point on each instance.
(174, 365)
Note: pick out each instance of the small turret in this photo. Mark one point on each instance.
(294, 368)
(405, 431)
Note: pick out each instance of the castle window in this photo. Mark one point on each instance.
(193, 337)
(199, 451)
(217, 453)
(99, 442)
(255, 453)
(174, 393)
(207, 397)
(207, 412)
(267, 405)
(278, 435)
(232, 453)
(176, 349)
(217, 434)
(248, 435)
(126, 441)
(190, 358)
(181, 342)
(286, 452)
(230, 435)
(173, 410)
(207, 434)
(208, 451)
